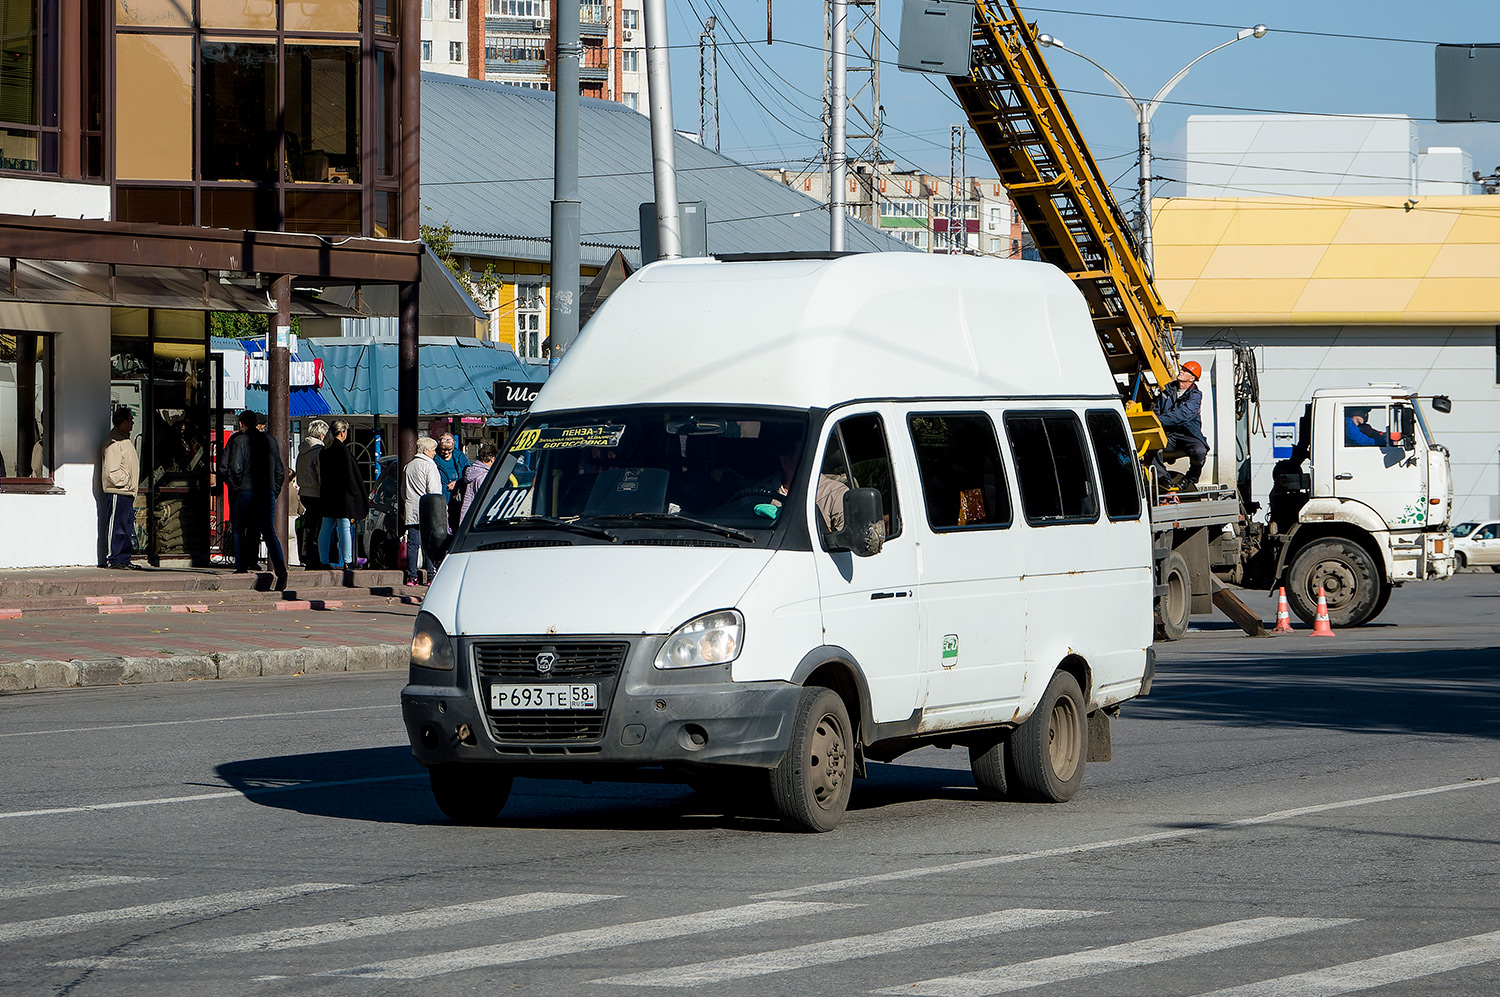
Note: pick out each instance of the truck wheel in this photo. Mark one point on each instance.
(1049, 749)
(810, 785)
(1176, 603)
(1349, 578)
(1495, 568)
(990, 761)
(469, 794)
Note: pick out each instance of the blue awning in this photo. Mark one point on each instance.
(455, 375)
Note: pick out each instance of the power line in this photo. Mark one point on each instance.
(1234, 27)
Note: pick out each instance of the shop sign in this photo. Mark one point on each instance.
(513, 396)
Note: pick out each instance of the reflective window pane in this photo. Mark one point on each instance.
(250, 208)
(239, 111)
(162, 205)
(18, 71)
(387, 215)
(25, 439)
(19, 149)
(322, 113)
(322, 15)
(326, 210)
(154, 107)
(154, 13)
(387, 17)
(259, 15)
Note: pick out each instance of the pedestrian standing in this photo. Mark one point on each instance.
(451, 464)
(421, 477)
(255, 472)
(343, 496)
(119, 479)
(309, 486)
(474, 476)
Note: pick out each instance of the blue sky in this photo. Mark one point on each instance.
(1315, 63)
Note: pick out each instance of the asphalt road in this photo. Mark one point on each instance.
(1283, 817)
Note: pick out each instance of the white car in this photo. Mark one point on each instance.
(1477, 544)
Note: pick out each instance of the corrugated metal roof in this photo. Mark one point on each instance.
(487, 170)
(456, 374)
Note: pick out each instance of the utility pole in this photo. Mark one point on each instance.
(708, 86)
(862, 109)
(837, 95)
(567, 225)
(957, 205)
(663, 151)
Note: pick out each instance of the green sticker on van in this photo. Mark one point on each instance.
(950, 650)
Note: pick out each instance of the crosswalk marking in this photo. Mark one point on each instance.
(214, 903)
(1127, 842)
(587, 940)
(1092, 962)
(843, 949)
(67, 885)
(1367, 974)
(342, 931)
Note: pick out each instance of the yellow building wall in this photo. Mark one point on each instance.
(1329, 261)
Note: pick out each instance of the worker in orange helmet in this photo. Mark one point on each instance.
(1180, 408)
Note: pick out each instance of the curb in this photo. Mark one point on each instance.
(35, 675)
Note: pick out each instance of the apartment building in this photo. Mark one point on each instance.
(922, 210)
(515, 42)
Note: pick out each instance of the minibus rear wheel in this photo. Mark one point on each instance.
(810, 785)
(1049, 749)
(469, 793)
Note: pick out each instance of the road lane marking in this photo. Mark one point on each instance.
(342, 931)
(1367, 974)
(843, 949)
(52, 732)
(67, 885)
(587, 940)
(213, 903)
(1094, 962)
(1094, 846)
(205, 797)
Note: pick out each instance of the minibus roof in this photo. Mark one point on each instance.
(814, 333)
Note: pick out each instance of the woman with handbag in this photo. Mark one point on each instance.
(344, 497)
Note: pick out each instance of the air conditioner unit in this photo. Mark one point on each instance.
(537, 24)
(629, 34)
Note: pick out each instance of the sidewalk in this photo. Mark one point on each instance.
(65, 627)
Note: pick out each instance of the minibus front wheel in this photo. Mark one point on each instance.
(469, 793)
(810, 785)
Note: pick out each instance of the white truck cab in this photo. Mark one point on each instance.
(780, 517)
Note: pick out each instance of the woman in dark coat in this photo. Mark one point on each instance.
(344, 496)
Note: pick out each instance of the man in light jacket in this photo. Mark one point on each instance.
(421, 477)
(309, 488)
(119, 479)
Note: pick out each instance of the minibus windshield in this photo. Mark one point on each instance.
(720, 470)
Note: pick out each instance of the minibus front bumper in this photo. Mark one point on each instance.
(643, 715)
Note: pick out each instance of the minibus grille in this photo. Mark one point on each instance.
(548, 725)
(515, 661)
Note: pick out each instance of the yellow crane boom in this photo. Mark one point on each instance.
(1019, 115)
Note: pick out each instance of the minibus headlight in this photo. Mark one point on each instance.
(430, 646)
(709, 640)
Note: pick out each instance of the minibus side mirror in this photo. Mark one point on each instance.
(432, 515)
(864, 523)
(1442, 403)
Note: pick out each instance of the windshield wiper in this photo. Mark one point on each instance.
(553, 523)
(672, 517)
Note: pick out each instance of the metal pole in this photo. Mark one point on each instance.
(663, 136)
(955, 136)
(1144, 195)
(708, 86)
(567, 225)
(838, 90)
(278, 391)
(408, 371)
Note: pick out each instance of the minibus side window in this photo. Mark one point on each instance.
(963, 480)
(857, 457)
(1052, 471)
(1119, 473)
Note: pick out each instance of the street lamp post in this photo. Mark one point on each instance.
(1143, 112)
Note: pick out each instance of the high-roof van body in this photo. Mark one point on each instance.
(770, 519)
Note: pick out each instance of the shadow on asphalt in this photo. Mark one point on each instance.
(1454, 692)
(386, 785)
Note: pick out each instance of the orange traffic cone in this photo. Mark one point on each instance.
(1321, 626)
(1283, 615)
